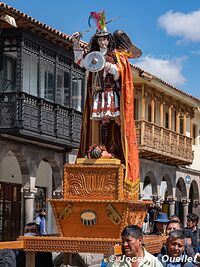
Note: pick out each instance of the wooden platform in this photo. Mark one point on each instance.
(152, 244)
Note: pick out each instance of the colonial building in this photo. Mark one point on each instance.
(41, 101)
(41, 104)
(168, 127)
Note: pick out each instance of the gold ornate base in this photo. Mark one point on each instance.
(96, 218)
(95, 209)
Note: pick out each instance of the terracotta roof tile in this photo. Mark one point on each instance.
(17, 15)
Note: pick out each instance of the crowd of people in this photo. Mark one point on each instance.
(181, 249)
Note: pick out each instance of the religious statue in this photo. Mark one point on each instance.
(108, 128)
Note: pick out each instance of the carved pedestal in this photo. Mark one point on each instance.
(94, 206)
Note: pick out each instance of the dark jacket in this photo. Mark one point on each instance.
(7, 258)
(194, 235)
(42, 259)
(189, 250)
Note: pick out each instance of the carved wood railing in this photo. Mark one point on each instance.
(40, 119)
(162, 144)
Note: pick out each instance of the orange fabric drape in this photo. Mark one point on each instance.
(128, 130)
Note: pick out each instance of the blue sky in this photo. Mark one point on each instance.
(167, 32)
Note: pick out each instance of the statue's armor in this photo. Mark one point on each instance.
(105, 93)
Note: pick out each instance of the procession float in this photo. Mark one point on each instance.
(100, 190)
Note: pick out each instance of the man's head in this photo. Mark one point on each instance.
(132, 239)
(175, 243)
(161, 221)
(192, 220)
(173, 225)
(42, 212)
(31, 229)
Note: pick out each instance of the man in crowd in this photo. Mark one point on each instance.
(160, 224)
(175, 253)
(192, 231)
(41, 221)
(153, 212)
(134, 254)
(41, 258)
(175, 225)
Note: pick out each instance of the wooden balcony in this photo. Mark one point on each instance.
(164, 145)
(28, 117)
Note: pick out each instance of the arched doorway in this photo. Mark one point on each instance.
(149, 186)
(193, 196)
(48, 177)
(10, 198)
(166, 192)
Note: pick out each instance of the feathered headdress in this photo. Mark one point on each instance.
(99, 19)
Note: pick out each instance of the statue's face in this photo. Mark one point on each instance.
(103, 42)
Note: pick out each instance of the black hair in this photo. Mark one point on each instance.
(33, 224)
(175, 234)
(193, 217)
(93, 44)
(174, 218)
(132, 230)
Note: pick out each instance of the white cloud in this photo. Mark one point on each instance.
(167, 70)
(186, 26)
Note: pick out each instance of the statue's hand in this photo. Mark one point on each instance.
(106, 155)
(76, 37)
(107, 66)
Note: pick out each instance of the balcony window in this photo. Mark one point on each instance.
(136, 109)
(47, 81)
(174, 120)
(149, 113)
(181, 126)
(8, 73)
(194, 132)
(62, 87)
(10, 44)
(156, 115)
(30, 74)
(167, 120)
(76, 97)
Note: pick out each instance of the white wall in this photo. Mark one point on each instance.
(44, 179)
(147, 192)
(196, 148)
(163, 188)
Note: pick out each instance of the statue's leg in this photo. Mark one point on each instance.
(95, 132)
(103, 133)
(118, 120)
